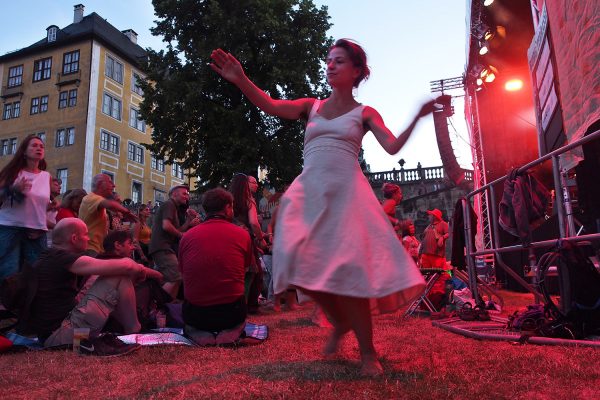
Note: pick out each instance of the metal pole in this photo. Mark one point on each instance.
(471, 269)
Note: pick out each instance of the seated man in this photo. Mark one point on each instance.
(54, 312)
(213, 257)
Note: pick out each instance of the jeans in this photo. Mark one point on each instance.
(16, 247)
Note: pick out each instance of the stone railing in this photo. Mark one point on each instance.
(413, 175)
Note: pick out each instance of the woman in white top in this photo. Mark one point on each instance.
(25, 194)
(333, 241)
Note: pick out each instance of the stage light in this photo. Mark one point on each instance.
(487, 2)
(479, 81)
(488, 74)
(483, 50)
(513, 85)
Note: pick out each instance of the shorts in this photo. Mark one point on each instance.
(166, 263)
(433, 261)
(91, 312)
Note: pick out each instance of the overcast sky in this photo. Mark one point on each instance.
(409, 44)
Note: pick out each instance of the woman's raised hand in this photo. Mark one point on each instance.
(226, 65)
(427, 108)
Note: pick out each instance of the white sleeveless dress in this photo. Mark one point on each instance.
(331, 233)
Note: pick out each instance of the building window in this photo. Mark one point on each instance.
(157, 163)
(12, 110)
(160, 196)
(15, 76)
(135, 120)
(177, 170)
(35, 105)
(60, 138)
(135, 153)
(51, 35)
(109, 142)
(72, 97)
(62, 99)
(113, 69)
(42, 69)
(63, 175)
(8, 146)
(70, 136)
(136, 192)
(67, 98)
(42, 136)
(71, 62)
(135, 86)
(65, 137)
(44, 104)
(111, 106)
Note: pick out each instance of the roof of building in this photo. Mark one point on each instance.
(91, 26)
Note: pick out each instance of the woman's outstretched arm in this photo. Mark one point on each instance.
(384, 136)
(230, 69)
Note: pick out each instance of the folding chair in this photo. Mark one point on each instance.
(431, 277)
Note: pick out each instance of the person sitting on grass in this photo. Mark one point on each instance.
(213, 258)
(54, 312)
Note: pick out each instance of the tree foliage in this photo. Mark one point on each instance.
(205, 121)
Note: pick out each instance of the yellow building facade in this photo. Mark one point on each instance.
(78, 90)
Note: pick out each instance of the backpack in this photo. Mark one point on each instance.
(583, 317)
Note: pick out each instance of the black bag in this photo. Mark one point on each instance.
(584, 282)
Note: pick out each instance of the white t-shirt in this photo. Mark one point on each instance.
(31, 213)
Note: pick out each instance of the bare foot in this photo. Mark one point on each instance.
(371, 367)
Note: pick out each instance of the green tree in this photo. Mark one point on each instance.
(205, 121)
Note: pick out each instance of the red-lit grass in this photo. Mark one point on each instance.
(421, 362)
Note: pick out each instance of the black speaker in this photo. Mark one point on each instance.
(453, 170)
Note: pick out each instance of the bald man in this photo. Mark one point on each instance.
(54, 311)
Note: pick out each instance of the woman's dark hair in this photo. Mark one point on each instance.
(215, 200)
(242, 198)
(18, 162)
(71, 197)
(404, 225)
(389, 189)
(141, 208)
(357, 56)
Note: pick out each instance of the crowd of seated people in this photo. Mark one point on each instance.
(85, 275)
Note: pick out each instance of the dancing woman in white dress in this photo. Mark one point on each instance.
(333, 241)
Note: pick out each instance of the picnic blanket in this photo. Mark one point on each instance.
(253, 333)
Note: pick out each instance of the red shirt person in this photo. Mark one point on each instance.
(213, 258)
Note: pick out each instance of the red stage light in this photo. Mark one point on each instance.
(513, 85)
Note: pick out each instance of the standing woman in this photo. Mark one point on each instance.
(245, 213)
(25, 194)
(332, 239)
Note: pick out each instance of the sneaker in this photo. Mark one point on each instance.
(106, 345)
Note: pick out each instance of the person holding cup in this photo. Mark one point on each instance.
(24, 197)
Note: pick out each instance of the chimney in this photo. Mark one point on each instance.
(78, 13)
(130, 33)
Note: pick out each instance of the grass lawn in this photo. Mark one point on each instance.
(421, 362)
